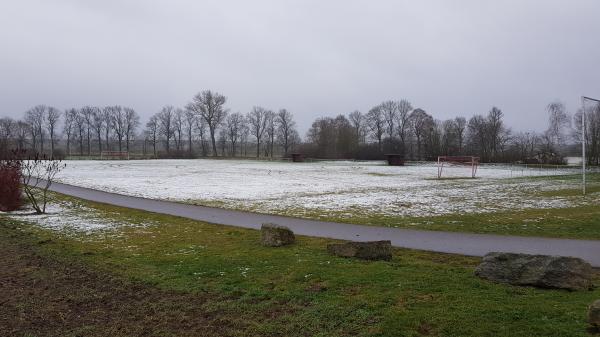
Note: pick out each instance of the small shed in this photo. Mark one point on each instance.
(297, 157)
(395, 159)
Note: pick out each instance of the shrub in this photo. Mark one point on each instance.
(10, 186)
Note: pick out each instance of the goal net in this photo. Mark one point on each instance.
(110, 155)
(470, 162)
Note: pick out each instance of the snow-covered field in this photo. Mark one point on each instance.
(340, 188)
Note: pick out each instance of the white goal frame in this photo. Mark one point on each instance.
(471, 161)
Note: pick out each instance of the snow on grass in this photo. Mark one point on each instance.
(70, 217)
(344, 187)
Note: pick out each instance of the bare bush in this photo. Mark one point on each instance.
(37, 175)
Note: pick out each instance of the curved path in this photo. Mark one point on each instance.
(445, 242)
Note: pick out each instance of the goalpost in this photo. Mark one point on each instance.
(467, 161)
(114, 155)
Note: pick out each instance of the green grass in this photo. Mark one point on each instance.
(571, 192)
(573, 222)
(309, 293)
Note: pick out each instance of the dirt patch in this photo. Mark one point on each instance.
(42, 295)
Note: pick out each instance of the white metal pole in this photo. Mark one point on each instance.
(583, 143)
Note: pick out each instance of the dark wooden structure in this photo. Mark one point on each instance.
(297, 157)
(395, 159)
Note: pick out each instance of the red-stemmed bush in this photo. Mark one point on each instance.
(10, 185)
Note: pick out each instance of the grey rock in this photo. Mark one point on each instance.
(594, 314)
(536, 270)
(372, 250)
(273, 235)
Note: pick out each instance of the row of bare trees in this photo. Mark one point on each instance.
(395, 127)
(206, 121)
(205, 127)
(100, 129)
(390, 127)
(89, 130)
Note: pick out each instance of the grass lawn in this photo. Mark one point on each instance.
(582, 222)
(224, 276)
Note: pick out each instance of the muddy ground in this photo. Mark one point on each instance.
(42, 295)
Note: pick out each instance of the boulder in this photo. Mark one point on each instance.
(273, 235)
(372, 250)
(594, 314)
(536, 270)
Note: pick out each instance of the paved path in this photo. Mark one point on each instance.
(445, 242)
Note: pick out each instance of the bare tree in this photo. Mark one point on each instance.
(558, 122)
(190, 121)
(257, 118)
(132, 122)
(449, 138)
(210, 106)
(35, 118)
(497, 132)
(20, 134)
(525, 145)
(88, 115)
(201, 127)
(460, 125)
(244, 135)
(286, 127)
(233, 124)
(178, 128)
(389, 109)
(357, 119)
(376, 123)
(478, 137)
(69, 126)
(52, 118)
(223, 141)
(107, 114)
(7, 126)
(421, 123)
(592, 132)
(403, 122)
(79, 121)
(165, 122)
(98, 124)
(270, 130)
(37, 175)
(119, 124)
(152, 129)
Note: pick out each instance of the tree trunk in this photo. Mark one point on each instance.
(214, 143)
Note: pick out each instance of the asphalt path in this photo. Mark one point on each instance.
(436, 241)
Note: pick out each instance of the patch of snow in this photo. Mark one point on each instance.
(69, 216)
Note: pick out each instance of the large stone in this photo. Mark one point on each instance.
(536, 270)
(594, 314)
(372, 250)
(273, 235)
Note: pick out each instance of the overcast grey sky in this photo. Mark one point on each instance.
(314, 58)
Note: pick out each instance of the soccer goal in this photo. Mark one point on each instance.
(464, 161)
(110, 155)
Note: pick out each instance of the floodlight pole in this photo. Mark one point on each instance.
(583, 98)
(583, 144)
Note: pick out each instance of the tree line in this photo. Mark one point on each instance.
(206, 121)
(396, 127)
(206, 127)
